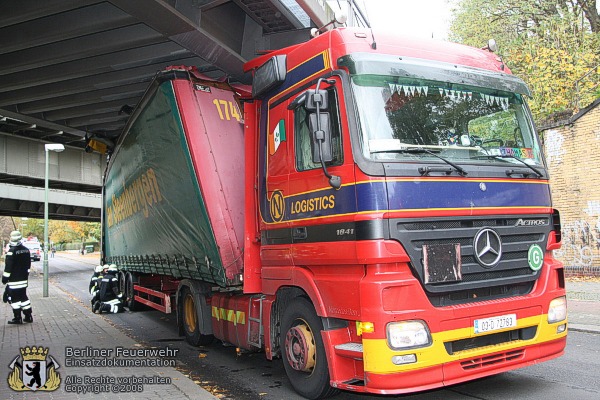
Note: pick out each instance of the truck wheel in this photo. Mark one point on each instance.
(130, 302)
(189, 315)
(303, 351)
(121, 276)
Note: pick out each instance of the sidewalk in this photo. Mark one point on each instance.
(74, 337)
(583, 304)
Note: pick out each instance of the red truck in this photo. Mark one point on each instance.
(377, 214)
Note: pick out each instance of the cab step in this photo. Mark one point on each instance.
(350, 350)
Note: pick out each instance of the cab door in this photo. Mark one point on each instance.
(275, 233)
(318, 212)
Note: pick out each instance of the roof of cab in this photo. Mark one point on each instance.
(343, 41)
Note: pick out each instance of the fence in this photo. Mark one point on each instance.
(77, 246)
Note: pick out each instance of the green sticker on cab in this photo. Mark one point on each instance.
(535, 257)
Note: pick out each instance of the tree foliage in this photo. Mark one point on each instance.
(59, 231)
(551, 44)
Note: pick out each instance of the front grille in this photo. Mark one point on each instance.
(490, 340)
(478, 294)
(457, 223)
(512, 268)
(489, 275)
(495, 359)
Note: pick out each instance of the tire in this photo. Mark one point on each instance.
(130, 302)
(189, 318)
(122, 282)
(303, 352)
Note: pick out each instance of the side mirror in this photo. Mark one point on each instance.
(322, 149)
(316, 98)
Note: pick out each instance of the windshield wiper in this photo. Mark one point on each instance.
(510, 171)
(426, 170)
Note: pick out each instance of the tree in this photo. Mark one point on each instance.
(7, 225)
(60, 232)
(590, 10)
(551, 44)
(31, 227)
(92, 230)
(82, 231)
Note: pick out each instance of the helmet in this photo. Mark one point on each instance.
(105, 266)
(15, 237)
(112, 267)
(98, 268)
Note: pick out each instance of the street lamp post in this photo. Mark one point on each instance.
(21, 225)
(58, 148)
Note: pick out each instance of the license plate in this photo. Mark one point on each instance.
(495, 323)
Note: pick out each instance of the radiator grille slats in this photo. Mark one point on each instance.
(497, 281)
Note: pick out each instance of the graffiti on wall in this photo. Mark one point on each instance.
(581, 241)
(553, 142)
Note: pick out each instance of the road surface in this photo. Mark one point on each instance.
(218, 369)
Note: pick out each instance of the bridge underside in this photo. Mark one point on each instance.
(32, 209)
(83, 64)
(75, 69)
(23, 201)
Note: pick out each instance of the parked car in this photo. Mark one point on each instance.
(34, 248)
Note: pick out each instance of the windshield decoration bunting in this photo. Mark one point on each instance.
(496, 100)
(408, 90)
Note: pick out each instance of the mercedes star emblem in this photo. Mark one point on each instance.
(487, 247)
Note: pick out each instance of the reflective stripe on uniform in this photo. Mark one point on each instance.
(17, 285)
(26, 305)
(6, 274)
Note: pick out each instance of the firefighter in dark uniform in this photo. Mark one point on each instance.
(94, 288)
(110, 297)
(16, 275)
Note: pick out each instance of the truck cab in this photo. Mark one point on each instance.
(401, 185)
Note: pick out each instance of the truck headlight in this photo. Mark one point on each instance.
(557, 310)
(408, 335)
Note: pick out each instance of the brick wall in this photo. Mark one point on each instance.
(573, 155)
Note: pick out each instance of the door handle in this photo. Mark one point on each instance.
(299, 233)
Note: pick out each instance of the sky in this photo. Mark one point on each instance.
(421, 18)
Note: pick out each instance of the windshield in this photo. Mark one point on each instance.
(465, 124)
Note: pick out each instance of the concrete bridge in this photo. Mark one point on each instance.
(72, 70)
(74, 176)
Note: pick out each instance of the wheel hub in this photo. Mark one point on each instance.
(300, 348)
(189, 312)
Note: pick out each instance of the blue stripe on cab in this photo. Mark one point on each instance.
(469, 194)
